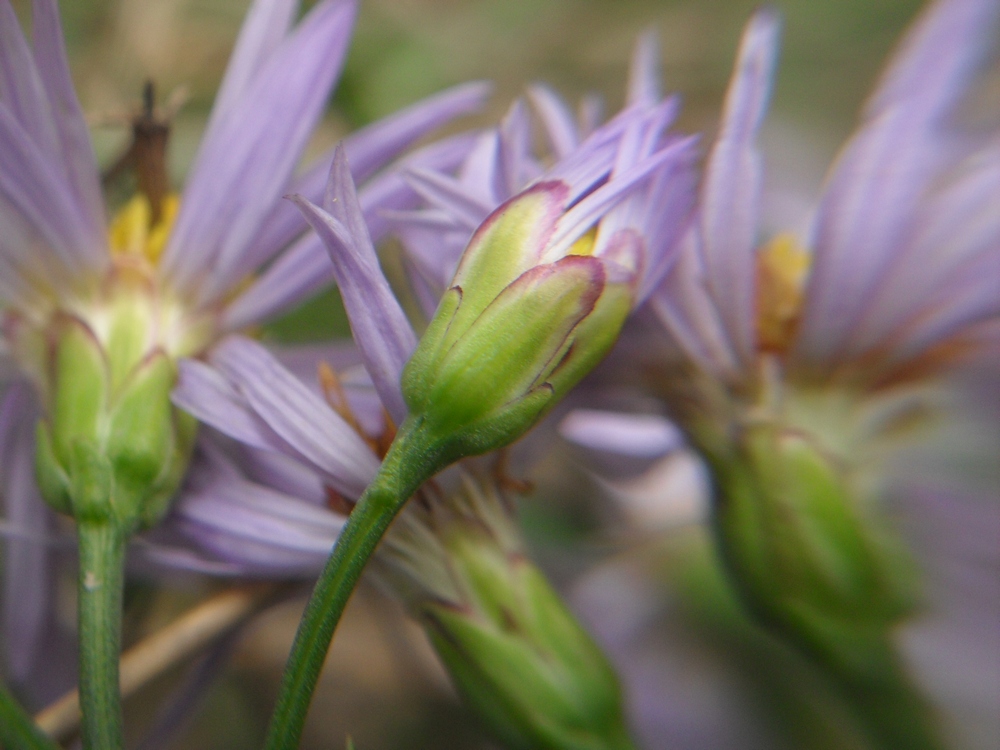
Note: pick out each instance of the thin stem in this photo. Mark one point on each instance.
(102, 559)
(407, 465)
(162, 650)
(17, 730)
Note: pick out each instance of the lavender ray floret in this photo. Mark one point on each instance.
(378, 323)
(730, 195)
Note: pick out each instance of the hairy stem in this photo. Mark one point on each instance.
(102, 559)
(164, 649)
(408, 464)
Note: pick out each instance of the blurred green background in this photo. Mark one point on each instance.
(383, 685)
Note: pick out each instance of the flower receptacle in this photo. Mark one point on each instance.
(112, 448)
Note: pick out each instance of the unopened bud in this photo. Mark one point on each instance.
(513, 333)
(514, 651)
(802, 552)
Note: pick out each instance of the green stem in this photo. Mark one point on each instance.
(102, 559)
(407, 465)
(17, 730)
(883, 698)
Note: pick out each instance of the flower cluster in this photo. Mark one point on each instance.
(140, 401)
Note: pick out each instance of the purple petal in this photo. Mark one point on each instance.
(874, 194)
(560, 127)
(266, 24)
(305, 268)
(373, 146)
(77, 151)
(23, 271)
(965, 301)
(591, 112)
(30, 184)
(661, 214)
(450, 195)
(644, 73)
(285, 475)
(21, 88)
(931, 67)
(27, 588)
(243, 166)
(516, 165)
(644, 435)
(392, 190)
(688, 312)
(957, 232)
(205, 393)
(368, 150)
(378, 323)
(584, 214)
(868, 212)
(302, 419)
(730, 196)
(257, 528)
(479, 171)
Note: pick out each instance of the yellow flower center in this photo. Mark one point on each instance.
(782, 266)
(584, 245)
(134, 235)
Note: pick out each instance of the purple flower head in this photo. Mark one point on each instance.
(56, 252)
(804, 362)
(124, 298)
(628, 177)
(899, 267)
(553, 262)
(630, 180)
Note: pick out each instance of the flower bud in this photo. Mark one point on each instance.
(515, 653)
(800, 549)
(513, 333)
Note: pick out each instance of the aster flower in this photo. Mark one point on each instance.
(504, 162)
(801, 364)
(383, 336)
(625, 182)
(95, 314)
(172, 278)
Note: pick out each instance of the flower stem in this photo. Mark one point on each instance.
(17, 730)
(406, 466)
(102, 558)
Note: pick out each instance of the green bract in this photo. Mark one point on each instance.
(514, 651)
(512, 335)
(113, 448)
(800, 547)
(524, 663)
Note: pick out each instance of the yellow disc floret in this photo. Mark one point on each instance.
(584, 245)
(133, 232)
(782, 266)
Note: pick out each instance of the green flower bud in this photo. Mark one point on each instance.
(113, 448)
(513, 334)
(801, 550)
(515, 653)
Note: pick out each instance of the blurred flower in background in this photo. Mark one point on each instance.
(824, 379)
